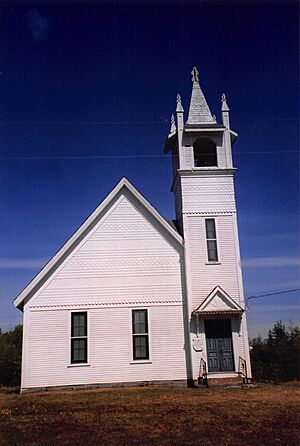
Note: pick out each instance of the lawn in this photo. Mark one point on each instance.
(262, 416)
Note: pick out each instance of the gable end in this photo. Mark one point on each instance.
(124, 187)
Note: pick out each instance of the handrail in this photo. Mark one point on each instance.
(242, 368)
(202, 372)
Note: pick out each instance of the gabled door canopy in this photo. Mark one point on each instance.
(218, 302)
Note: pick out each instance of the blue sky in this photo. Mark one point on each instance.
(87, 92)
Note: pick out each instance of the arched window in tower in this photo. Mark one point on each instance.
(205, 153)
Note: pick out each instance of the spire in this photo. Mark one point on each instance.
(173, 125)
(180, 123)
(199, 112)
(179, 107)
(224, 103)
(225, 112)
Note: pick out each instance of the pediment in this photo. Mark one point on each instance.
(218, 301)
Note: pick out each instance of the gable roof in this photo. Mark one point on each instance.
(218, 302)
(123, 186)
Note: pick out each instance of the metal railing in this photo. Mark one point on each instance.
(202, 378)
(243, 369)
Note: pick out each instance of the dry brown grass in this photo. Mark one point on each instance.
(262, 416)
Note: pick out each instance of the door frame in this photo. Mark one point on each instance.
(231, 341)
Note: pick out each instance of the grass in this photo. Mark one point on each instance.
(262, 416)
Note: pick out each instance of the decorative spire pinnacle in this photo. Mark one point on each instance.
(179, 107)
(195, 75)
(224, 103)
(199, 112)
(173, 125)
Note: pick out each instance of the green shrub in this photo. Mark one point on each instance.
(10, 356)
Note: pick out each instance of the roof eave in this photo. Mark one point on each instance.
(220, 312)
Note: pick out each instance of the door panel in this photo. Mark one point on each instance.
(219, 345)
(213, 357)
(225, 351)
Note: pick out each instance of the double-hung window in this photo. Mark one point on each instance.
(211, 240)
(140, 335)
(79, 337)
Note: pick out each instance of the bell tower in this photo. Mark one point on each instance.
(200, 147)
(203, 189)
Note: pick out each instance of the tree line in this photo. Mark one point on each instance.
(277, 358)
(11, 356)
(274, 359)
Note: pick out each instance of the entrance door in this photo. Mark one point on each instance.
(219, 345)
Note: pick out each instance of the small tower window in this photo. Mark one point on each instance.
(205, 153)
(211, 240)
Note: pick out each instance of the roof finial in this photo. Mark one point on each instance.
(173, 125)
(224, 103)
(179, 107)
(195, 75)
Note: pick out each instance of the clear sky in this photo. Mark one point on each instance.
(87, 90)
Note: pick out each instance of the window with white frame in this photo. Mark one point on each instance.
(140, 335)
(79, 337)
(211, 240)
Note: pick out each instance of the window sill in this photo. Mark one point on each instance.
(205, 167)
(212, 263)
(141, 361)
(78, 365)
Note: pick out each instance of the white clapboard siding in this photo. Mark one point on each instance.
(123, 257)
(204, 277)
(123, 263)
(238, 341)
(207, 194)
(188, 157)
(47, 360)
(221, 157)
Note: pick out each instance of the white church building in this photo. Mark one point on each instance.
(134, 299)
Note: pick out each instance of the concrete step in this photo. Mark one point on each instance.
(222, 382)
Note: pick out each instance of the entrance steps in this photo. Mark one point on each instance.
(224, 380)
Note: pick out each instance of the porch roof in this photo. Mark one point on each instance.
(218, 302)
(217, 312)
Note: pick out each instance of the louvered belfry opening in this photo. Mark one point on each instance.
(205, 153)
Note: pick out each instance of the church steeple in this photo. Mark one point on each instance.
(199, 112)
(203, 189)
